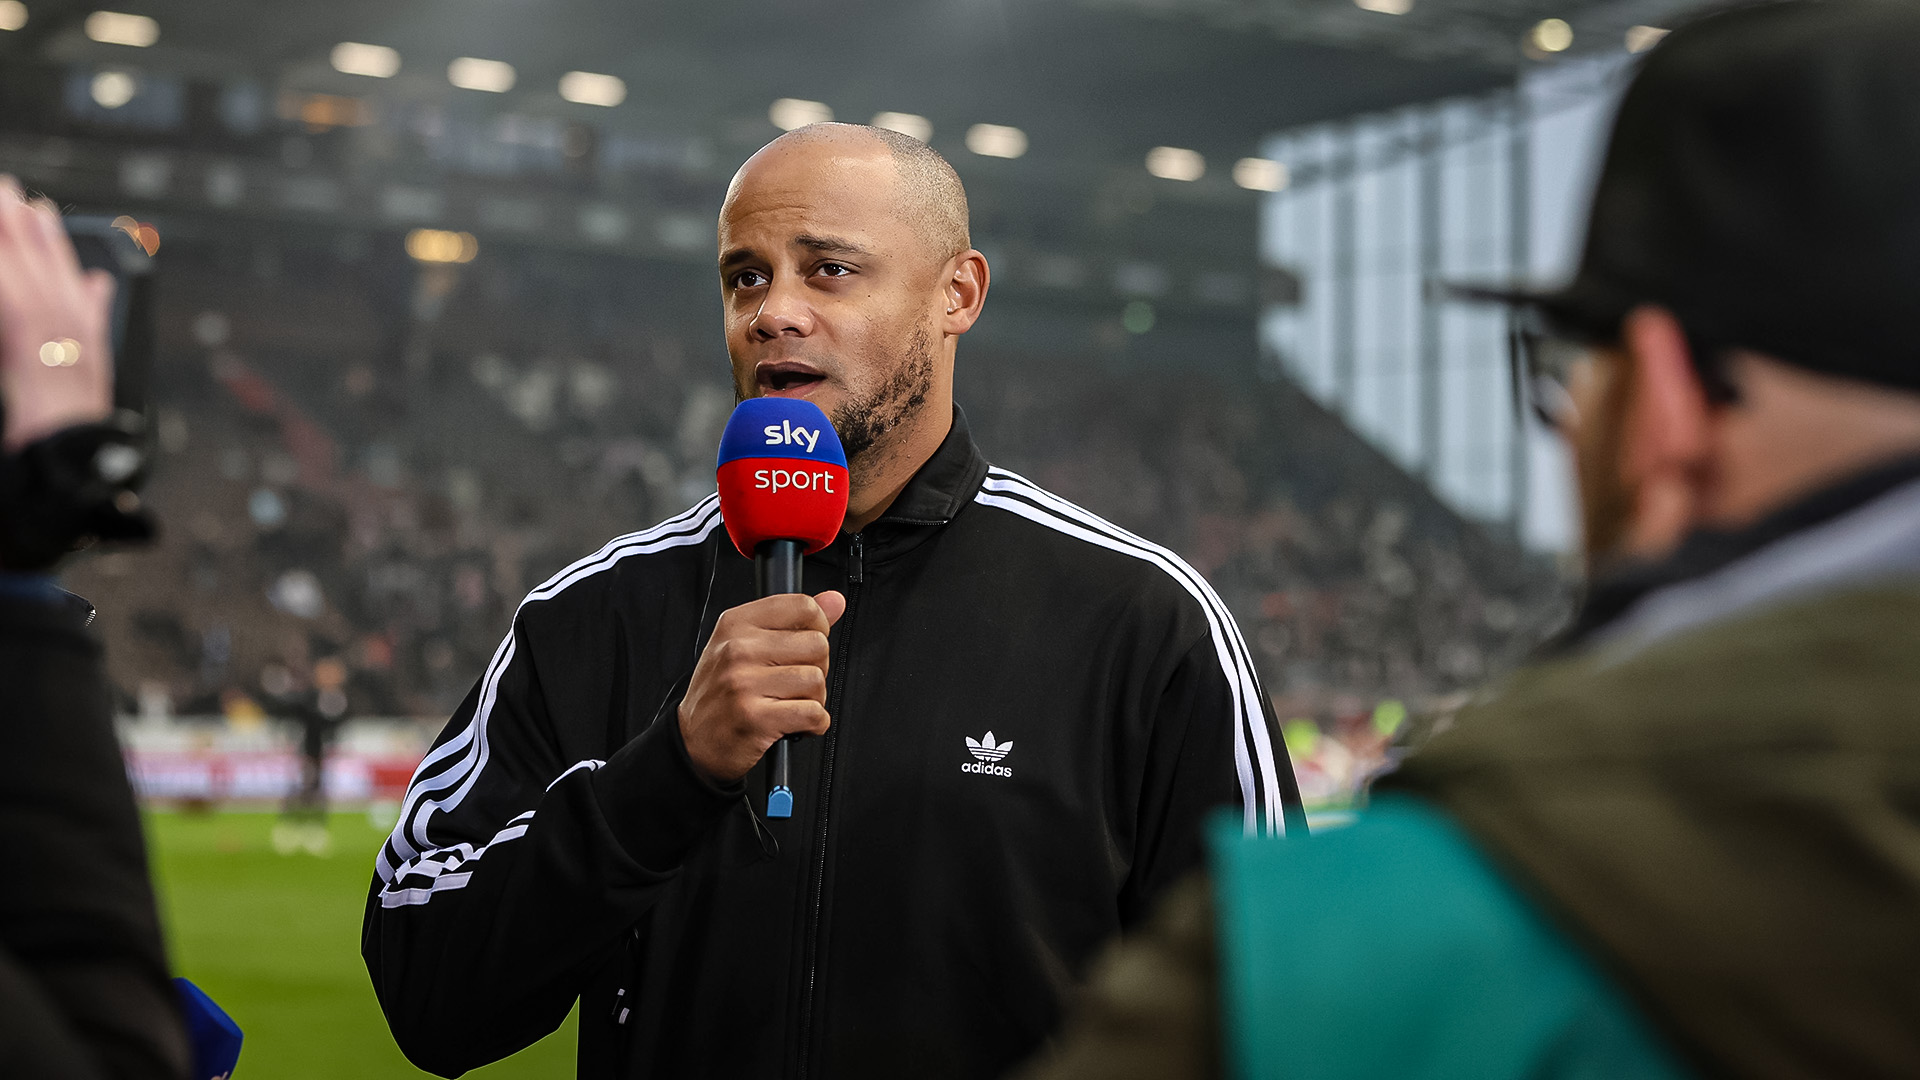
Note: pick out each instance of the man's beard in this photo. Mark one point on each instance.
(1607, 500)
(862, 423)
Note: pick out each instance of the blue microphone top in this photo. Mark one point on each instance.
(776, 427)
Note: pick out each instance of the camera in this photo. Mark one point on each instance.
(112, 244)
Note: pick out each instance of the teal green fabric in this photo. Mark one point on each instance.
(1393, 948)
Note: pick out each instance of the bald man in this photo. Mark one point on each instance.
(1017, 714)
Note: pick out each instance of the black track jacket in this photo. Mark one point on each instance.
(1032, 712)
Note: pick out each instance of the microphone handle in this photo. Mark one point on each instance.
(776, 570)
(776, 567)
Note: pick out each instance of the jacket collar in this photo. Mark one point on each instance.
(945, 484)
(1826, 537)
(942, 488)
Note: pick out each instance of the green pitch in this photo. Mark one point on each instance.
(275, 939)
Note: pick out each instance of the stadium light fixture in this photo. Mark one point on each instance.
(1642, 38)
(790, 113)
(473, 73)
(13, 14)
(1551, 36)
(1260, 174)
(912, 125)
(586, 88)
(996, 140)
(1137, 317)
(373, 61)
(1385, 7)
(442, 246)
(120, 28)
(112, 89)
(1176, 163)
(323, 112)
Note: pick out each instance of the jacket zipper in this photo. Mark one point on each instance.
(836, 695)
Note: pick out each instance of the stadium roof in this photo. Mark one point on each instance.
(1101, 79)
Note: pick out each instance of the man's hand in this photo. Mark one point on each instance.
(56, 367)
(763, 675)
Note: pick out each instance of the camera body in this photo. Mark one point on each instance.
(103, 243)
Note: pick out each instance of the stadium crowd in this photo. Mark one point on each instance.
(354, 482)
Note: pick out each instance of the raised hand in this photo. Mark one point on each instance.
(763, 675)
(56, 363)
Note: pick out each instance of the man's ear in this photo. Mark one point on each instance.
(1668, 419)
(1667, 446)
(965, 291)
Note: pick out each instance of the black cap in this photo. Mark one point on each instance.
(1763, 182)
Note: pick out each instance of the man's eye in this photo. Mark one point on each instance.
(834, 270)
(749, 279)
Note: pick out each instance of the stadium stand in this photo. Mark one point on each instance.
(371, 462)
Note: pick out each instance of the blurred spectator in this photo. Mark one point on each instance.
(1684, 842)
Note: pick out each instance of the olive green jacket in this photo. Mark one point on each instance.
(1392, 948)
(1730, 818)
(1701, 849)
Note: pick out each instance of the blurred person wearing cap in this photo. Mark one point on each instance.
(84, 991)
(1686, 840)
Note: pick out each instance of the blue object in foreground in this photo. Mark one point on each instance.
(1394, 949)
(215, 1037)
(780, 802)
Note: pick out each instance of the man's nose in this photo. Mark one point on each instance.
(783, 310)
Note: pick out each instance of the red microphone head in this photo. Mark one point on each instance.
(783, 475)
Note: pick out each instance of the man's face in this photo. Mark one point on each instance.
(829, 293)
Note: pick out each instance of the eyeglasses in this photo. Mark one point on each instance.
(1541, 359)
(1543, 354)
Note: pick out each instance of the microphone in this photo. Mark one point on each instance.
(783, 495)
(215, 1038)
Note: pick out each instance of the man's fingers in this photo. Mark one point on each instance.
(832, 605)
(792, 611)
(800, 717)
(801, 682)
(14, 212)
(763, 675)
(52, 232)
(808, 647)
(788, 611)
(781, 648)
(43, 223)
(100, 287)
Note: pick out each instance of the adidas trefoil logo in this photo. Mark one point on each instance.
(986, 756)
(987, 750)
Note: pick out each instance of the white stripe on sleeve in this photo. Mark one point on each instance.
(458, 763)
(1253, 745)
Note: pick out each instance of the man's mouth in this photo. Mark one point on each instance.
(787, 378)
